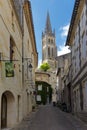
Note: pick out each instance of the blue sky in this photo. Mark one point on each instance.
(60, 12)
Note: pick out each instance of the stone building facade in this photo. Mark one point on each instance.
(14, 94)
(49, 51)
(49, 54)
(43, 87)
(29, 59)
(42, 76)
(77, 40)
(63, 72)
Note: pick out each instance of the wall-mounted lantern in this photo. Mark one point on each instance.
(30, 67)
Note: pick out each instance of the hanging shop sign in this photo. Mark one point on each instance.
(9, 69)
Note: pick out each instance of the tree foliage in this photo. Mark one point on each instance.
(45, 66)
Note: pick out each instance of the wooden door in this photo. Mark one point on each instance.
(4, 112)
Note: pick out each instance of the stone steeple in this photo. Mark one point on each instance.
(49, 49)
(48, 28)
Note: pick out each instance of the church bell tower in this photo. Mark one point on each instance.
(49, 49)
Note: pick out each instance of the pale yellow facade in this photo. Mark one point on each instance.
(42, 76)
(10, 86)
(30, 58)
(16, 98)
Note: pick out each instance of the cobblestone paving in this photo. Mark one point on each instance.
(51, 118)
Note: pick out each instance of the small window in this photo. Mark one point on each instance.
(12, 47)
(51, 40)
(39, 87)
(48, 40)
(52, 52)
(48, 51)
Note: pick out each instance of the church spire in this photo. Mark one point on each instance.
(48, 28)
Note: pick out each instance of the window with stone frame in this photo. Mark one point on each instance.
(52, 52)
(49, 40)
(12, 51)
(49, 51)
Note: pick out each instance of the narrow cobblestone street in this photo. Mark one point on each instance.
(50, 118)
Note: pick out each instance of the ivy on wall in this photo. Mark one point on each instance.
(44, 93)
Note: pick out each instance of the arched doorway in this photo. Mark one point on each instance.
(4, 111)
(7, 109)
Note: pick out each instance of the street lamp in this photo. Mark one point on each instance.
(30, 67)
(30, 77)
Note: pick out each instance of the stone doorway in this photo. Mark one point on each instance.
(7, 109)
(4, 111)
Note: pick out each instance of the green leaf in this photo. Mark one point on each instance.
(45, 66)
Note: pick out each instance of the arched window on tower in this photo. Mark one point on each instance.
(48, 51)
(49, 40)
(52, 53)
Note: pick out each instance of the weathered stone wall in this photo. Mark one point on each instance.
(10, 86)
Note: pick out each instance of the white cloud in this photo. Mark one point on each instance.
(63, 50)
(39, 63)
(64, 30)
